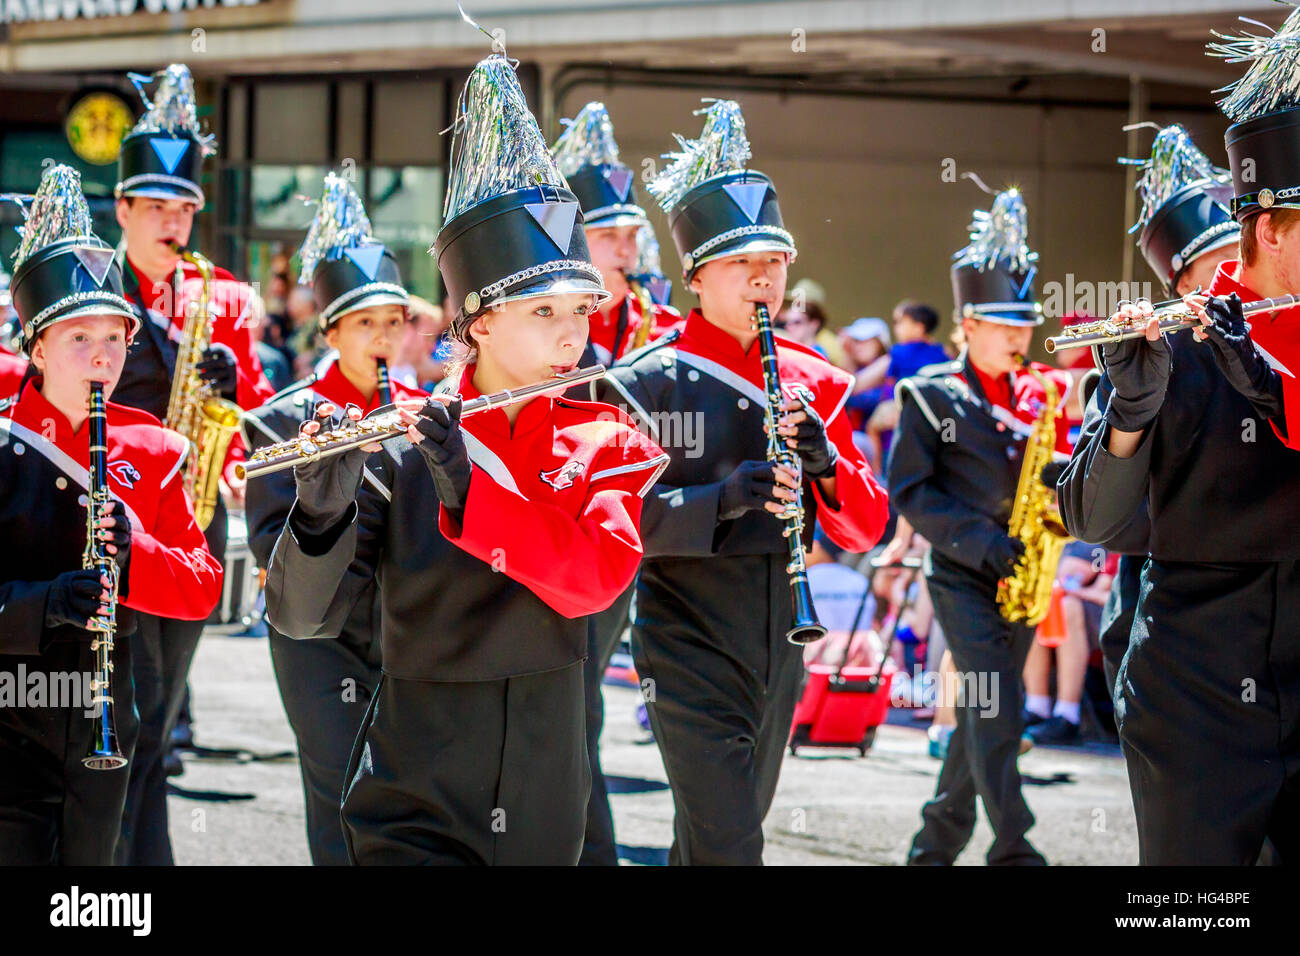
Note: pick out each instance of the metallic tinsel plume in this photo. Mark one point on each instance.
(1000, 235)
(174, 107)
(1273, 80)
(647, 253)
(1174, 163)
(57, 211)
(496, 144)
(340, 223)
(722, 147)
(588, 141)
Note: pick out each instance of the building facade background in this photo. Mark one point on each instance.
(864, 113)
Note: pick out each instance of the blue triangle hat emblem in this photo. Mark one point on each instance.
(96, 261)
(748, 196)
(169, 151)
(556, 220)
(366, 258)
(619, 177)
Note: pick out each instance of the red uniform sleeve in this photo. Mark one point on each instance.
(234, 305)
(172, 573)
(857, 521)
(578, 566)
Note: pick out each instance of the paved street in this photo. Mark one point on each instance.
(832, 807)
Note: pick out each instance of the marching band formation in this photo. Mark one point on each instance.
(467, 561)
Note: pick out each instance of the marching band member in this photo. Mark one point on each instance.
(1196, 425)
(76, 327)
(158, 196)
(953, 473)
(713, 599)
(490, 538)
(1185, 229)
(326, 685)
(587, 154)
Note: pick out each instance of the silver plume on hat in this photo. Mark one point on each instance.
(722, 147)
(173, 108)
(57, 211)
(1175, 162)
(496, 143)
(341, 223)
(1000, 235)
(588, 140)
(1273, 80)
(647, 253)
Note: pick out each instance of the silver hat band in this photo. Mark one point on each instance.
(107, 298)
(327, 313)
(532, 272)
(144, 178)
(704, 247)
(1197, 245)
(984, 307)
(604, 212)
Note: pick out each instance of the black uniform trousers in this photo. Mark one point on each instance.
(53, 810)
(1117, 615)
(1208, 708)
(326, 686)
(484, 772)
(720, 702)
(603, 631)
(989, 655)
(162, 651)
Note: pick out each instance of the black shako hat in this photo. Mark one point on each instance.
(513, 229)
(63, 270)
(1186, 205)
(993, 277)
(716, 207)
(587, 156)
(348, 268)
(163, 154)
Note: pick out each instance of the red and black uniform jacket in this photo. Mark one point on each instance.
(1218, 482)
(268, 499)
(700, 395)
(550, 534)
(43, 474)
(12, 370)
(958, 450)
(614, 327)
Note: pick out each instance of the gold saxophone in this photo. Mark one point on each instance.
(647, 314)
(1035, 521)
(207, 420)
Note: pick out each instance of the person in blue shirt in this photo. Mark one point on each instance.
(914, 344)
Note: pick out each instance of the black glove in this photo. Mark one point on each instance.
(444, 452)
(119, 535)
(1239, 360)
(74, 598)
(748, 488)
(327, 487)
(1051, 473)
(220, 370)
(1139, 371)
(1003, 554)
(812, 445)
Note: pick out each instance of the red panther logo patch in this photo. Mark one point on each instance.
(563, 477)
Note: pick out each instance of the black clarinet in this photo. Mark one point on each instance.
(806, 627)
(104, 753)
(385, 387)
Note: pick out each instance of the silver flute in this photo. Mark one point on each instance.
(1174, 316)
(385, 422)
